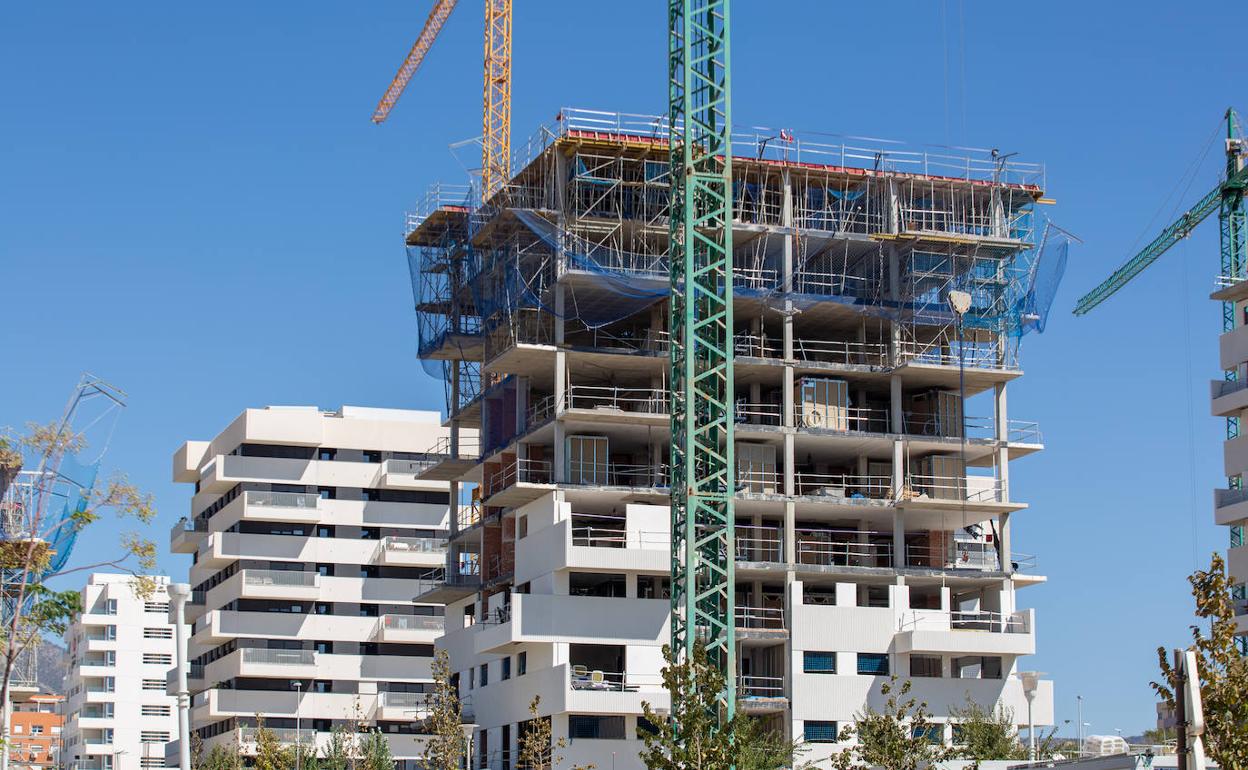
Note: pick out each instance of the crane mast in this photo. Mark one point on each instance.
(700, 253)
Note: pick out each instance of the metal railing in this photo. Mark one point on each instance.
(760, 618)
(414, 544)
(1220, 388)
(282, 734)
(413, 622)
(278, 657)
(469, 447)
(639, 400)
(405, 700)
(843, 485)
(581, 677)
(760, 686)
(758, 414)
(758, 480)
(977, 355)
(616, 475)
(762, 544)
(843, 418)
(603, 537)
(977, 556)
(819, 548)
(966, 620)
(520, 471)
(1223, 498)
(540, 410)
(282, 499)
(973, 489)
(413, 467)
(278, 577)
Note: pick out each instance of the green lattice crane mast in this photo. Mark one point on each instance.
(700, 254)
(1228, 200)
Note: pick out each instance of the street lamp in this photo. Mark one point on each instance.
(1031, 683)
(178, 594)
(297, 684)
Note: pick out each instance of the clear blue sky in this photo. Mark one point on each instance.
(195, 205)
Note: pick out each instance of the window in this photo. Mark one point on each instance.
(646, 727)
(327, 493)
(596, 584)
(816, 731)
(154, 736)
(587, 726)
(155, 711)
(485, 674)
(158, 658)
(505, 672)
(157, 633)
(156, 607)
(372, 456)
(933, 733)
(325, 453)
(873, 664)
(1237, 536)
(150, 763)
(977, 667)
(819, 662)
(522, 527)
(522, 663)
(110, 607)
(925, 666)
(36, 729)
(153, 684)
(654, 587)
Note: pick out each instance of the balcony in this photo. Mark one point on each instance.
(282, 506)
(518, 482)
(968, 632)
(279, 584)
(405, 474)
(184, 536)
(608, 692)
(1228, 397)
(843, 486)
(262, 662)
(1230, 505)
(412, 551)
(760, 625)
(843, 548)
(639, 477)
(575, 619)
(822, 353)
(402, 706)
(422, 629)
(446, 464)
(611, 404)
(761, 694)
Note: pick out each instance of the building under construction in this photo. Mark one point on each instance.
(880, 296)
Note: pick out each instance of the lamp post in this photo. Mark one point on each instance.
(1079, 723)
(178, 594)
(1031, 683)
(297, 685)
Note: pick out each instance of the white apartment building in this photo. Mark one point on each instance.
(118, 715)
(873, 440)
(1230, 400)
(309, 537)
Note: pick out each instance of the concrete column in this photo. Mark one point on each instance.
(896, 408)
(1001, 418)
(899, 538)
(178, 594)
(790, 534)
(1003, 543)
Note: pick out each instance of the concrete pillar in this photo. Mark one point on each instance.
(178, 594)
(1003, 544)
(896, 409)
(790, 535)
(561, 388)
(899, 538)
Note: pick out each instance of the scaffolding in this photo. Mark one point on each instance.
(581, 234)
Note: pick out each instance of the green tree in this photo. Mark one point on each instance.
(35, 609)
(983, 734)
(270, 754)
(446, 747)
(535, 747)
(376, 751)
(696, 736)
(759, 748)
(896, 738)
(338, 750)
(1223, 670)
(221, 758)
(1160, 736)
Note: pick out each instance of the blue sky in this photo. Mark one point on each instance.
(196, 207)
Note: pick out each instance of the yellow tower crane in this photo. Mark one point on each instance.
(496, 121)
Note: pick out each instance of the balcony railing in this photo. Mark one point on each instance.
(760, 618)
(1227, 497)
(973, 489)
(976, 556)
(469, 448)
(405, 700)
(414, 544)
(1222, 388)
(520, 471)
(279, 657)
(843, 485)
(760, 686)
(582, 677)
(973, 355)
(414, 622)
(279, 577)
(638, 400)
(282, 734)
(813, 350)
(616, 475)
(261, 499)
(850, 419)
(758, 414)
(966, 620)
(761, 544)
(826, 548)
(610, 537)
(409, 467)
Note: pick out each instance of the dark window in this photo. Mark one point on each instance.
(819, 662)
(327, 493)
(596, 584)
(873, 664)
(372, 456)
(369, 571)
(372, 495)
(925, 666)
(370, 533)
(324, 531)
(933, 733)
(587, 726)
(325, 453)
(654, 587)
(325, 570)
(522, 663)
(326, 648)
(485, 674)
(815, 731)
(505, 671)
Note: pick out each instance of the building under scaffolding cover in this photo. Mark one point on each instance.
(872, 511)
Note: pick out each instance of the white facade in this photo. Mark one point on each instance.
(118, 715)
(310, 536)
(872, 444)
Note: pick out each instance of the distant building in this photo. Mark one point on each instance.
(310, 536)
(121, 648)
(35, 731)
